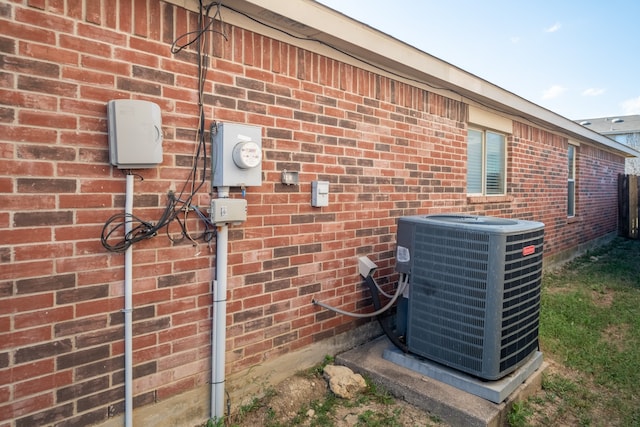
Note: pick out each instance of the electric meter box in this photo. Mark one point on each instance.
(135, 133)
(236, 156)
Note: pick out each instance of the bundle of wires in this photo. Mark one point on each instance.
(141, 229)
(180, 205)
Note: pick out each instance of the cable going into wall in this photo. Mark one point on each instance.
(178, 206)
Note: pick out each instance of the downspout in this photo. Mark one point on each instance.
(128, 305)
(219, 319)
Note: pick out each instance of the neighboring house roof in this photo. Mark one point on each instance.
(613, 125)
(316, 27)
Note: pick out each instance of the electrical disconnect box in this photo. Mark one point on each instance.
(237, 156)
(135, 133)
(228, 211)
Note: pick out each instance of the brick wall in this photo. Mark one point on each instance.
(387, 148)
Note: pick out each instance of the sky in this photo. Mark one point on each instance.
(579, 59)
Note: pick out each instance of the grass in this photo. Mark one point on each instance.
(590, 333)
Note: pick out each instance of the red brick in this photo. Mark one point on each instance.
(176, 306)
(93, 13)
(19, 408)
(25, 371)
(113, 274)
(96, 305)
(49, 53)
(83, 77)
(23, 269)
(43, 317)
(28, 134)
(21, 338)
(85, 201)
(67, 265)
(43, 383)
(189, 316)
(5, 396)
(190, 290)
(6, 185)
(29, 100)
(28, 32)
(77, 232)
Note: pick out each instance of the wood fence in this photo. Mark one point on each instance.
(628, 206)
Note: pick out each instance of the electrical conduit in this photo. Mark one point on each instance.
(128, 305)
(219, 319)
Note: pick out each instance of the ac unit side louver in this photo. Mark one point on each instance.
(474, 299)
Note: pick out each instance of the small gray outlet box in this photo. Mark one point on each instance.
(319, 193)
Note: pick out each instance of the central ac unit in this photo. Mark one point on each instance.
(474, 290)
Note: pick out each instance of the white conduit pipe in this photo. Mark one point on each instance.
(128, 305)
(219, 319)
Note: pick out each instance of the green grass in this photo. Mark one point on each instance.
(590, 328)
(519, 414)
(379, 419)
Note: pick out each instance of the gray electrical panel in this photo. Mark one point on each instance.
(135, 133)
(237, 156)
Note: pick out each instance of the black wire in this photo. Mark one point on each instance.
(177, 48)
(203, 60)
(143, 230)
(179, 204)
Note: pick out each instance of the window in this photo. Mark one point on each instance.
(486, 170)
(571, 182)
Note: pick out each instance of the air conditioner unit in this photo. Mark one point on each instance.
(474, 295)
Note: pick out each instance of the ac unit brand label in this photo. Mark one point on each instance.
(528, 250)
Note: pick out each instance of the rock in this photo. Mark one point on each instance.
(343, 382)
(351, 419)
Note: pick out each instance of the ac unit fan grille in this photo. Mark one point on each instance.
(449, 291)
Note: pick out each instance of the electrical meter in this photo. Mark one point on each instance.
(247, 154)
(236, 156)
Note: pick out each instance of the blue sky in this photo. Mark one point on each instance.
(580, 59)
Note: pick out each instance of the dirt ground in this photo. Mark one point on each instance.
(291, 403)
(301, 400)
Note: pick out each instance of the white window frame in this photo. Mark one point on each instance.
(571, 180)
(483, 166)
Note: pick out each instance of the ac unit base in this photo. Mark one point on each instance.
(494, 391)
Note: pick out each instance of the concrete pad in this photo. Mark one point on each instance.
(495, 391)
(454, 406)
